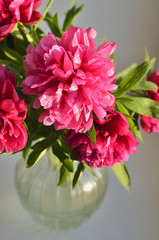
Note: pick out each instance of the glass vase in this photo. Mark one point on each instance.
(58, 207)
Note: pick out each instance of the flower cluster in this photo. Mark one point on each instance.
(71, 78)
(148, 123)
(114, 142)
(13, 11)
(61, 90)
(13, 110)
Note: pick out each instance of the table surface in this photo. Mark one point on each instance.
(121, 215)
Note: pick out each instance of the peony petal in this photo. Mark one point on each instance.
(107, 48)
(91, 32)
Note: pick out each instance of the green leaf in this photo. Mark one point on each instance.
(92, 134)
(65, 146)
(147, 57)
(47, 142)
(68, 163)
(73, 4)
(6, 63)
(132, 79)
(78, 174)
(139, 136)
(57, 150)
(104, 39)
(73, 155)
(152, 64)
(123, 99)
(126, 71)
(44, 14)
(23, 32)
(12, 55)
(146, 85)
(143, 106)
(90, 170)
(52, 21)
(33, 34)
(63, 175)
(71, 15)
(122, 174)
(34, 157)
(132, 125)
(26, 151)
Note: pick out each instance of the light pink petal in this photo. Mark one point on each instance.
(107, 48)
(91, 32)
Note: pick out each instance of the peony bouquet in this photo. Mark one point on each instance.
(59, 92)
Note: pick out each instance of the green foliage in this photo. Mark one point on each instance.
(78, 174)
(63, 175)
(71, 15)
(26, 150)
(130, 96)
(146, 85)
(13, 56)
(44, 14)
(34, 157)
(152, 61)
(92, 134)
(50, 140)
(40, 148)
(132, 79)
(122, 175)
(57, 150)
(68, 163)
(143, 106)
(132, 125)
(53, 23)
(124, 73)
(104, 39)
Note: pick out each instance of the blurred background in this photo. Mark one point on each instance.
(133, 25)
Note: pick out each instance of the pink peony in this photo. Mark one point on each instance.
(71, 78)
(13, 11)
(154, 77)
(13, 135)
(148, 123)
(114, 142)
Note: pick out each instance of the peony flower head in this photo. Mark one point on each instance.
(13, 135)
(114, 142)
(148, 123)
(154, 77)
(13, 11)
(71, 78)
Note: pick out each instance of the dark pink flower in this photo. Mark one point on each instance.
(71, 78)
(13, 11)
(114, 142)
(154, 77)
(13, 135)
(148, 123)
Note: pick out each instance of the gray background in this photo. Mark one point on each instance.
(134, 26)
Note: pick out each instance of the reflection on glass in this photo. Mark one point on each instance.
(58, 207)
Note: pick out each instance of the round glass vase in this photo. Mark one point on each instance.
(58, 207)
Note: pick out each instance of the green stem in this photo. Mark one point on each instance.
(43, 16)
(34, 34)
(23, 32)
